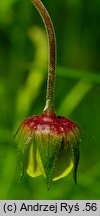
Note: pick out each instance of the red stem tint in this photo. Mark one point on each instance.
(50, 95)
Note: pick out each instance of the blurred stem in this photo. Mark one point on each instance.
(50, 95)
(75, 96)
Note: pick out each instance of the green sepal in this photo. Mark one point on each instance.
(64, 162)
(48, 146)
(23, 138)
(76, 160)
(74, 141)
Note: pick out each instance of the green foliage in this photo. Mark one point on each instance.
(23, 70)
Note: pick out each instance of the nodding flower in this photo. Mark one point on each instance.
(48, 144)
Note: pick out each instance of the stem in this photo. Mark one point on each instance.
(50, 95)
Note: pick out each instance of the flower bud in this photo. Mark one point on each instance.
(49, 146)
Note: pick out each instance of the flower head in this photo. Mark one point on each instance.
(49, 146)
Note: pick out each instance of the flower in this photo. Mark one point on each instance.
(49, 146)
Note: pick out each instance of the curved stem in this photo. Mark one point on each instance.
(50, 95)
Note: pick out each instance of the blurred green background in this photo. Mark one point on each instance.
(23, 73)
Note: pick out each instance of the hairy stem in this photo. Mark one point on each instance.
(50, 95)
